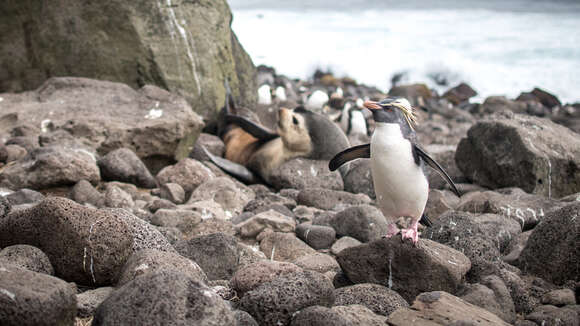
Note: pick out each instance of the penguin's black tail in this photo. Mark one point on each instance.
(426, 221)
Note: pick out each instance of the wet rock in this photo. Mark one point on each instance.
(493, 297)
(184, 220)
(116, 197)
(459, 94)
(328, 199)
(124, 165)
(337, 316)
(253, 275)
(559, 298)
(381, 300)
(50, 167)
(173, 192)
(497, 148)
(271, 220)
(30, 298)
(364, 223)
(151, 261)
(145, 236)
(88, 301)
(343, 243)
(404, 268)
(24, 196)
(526, 209)
(441, 308)
(551, 316)
(72, 236)
(216, 254)
(552, 251)
(284, 246)
(164, 297)
(230, 195)
(187, 173)
(316, 236)
(274, 302)
(28, 257)
(318, 262)
(83, 192)
(302, 173)
(359, 179)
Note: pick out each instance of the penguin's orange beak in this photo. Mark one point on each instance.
(371, 105)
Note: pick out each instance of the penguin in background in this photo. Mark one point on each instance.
(397, 165)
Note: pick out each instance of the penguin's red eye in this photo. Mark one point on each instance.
(389, 109)
(294, 120)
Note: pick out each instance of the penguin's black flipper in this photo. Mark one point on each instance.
(432, 163)
(236, 170)
(260, 132)
(349, 154)
(425, 220)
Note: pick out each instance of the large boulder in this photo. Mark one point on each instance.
(165, 297)
(406, 269)
(86, 246)
(30, 298)
(158, 126)
(186, 47)
(552, 251)
(512, 150)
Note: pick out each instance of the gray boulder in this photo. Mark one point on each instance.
(273, 303)
(25, 196)
(552, 251)
(364, 223)
(171, 45)
(337, 316)
(30, 298)
(83, 192)
(284, 246)
(88, 301)
(28, 257)
(359, 179)
(512, 150)
(124, 165)
(85, 245)
(187, 173)
(215, 253)
(51, 167)
(329, 199)
(316, 236)
(380, 299)
(252, 275)
(126, 118)
(406, 269)
(165, 297)
(232, 196)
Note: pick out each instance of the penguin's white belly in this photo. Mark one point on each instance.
(400, 184)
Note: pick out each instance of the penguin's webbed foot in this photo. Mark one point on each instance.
(410, 233)
(392, 230)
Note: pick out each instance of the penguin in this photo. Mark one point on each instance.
(253, 152)
(397, 165)
(352, 121)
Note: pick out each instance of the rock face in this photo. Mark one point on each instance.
(30, 298)
(185, 47)
(404, 268)
(552, 251)
(441, 308)
(155, 124)
(511, 150)
(84, 245)
(166, 297)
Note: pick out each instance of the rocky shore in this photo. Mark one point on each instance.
(111, 213)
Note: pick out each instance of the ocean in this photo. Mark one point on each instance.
(498, 47)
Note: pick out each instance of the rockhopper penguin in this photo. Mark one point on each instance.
(397, 165)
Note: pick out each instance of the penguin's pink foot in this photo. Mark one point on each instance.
(411, 233)
(392, 230)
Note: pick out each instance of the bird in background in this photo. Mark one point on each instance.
(397, 165)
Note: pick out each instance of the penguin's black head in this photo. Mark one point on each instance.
(392, 110)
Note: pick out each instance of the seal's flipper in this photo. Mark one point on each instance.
(260, 132)
(349, 154)
(432, 163)
(236, 170)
